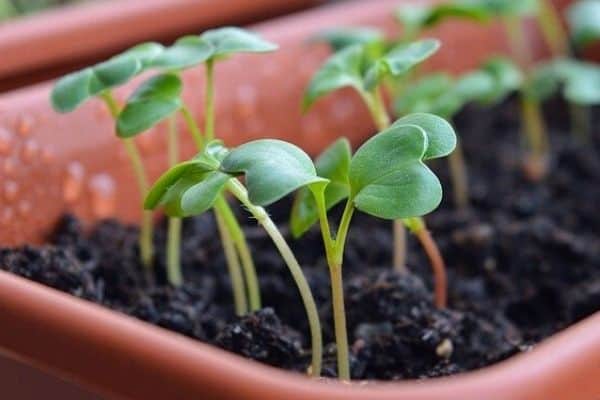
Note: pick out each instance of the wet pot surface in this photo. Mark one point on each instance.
(523, 264)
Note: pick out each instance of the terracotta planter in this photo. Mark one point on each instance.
(115, 355)
(45, 45)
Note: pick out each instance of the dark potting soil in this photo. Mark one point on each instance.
(523, 263)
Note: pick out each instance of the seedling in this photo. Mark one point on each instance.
(187, 52)
(445, 96)
(363, 69)
(386, 178)
(98, 81)
(195, 186)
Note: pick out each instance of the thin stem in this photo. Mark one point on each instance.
(173, 257)
(335, 257)
(399, 243)
(209, 103)
(419, 229)
(517, 40)
(580, 121)
(534, 132)
(239, 191)
(459, 176)
(146, 228)
(233, 264)
(342, 233)
(241, 245)
(376, 105)
(173, 252)
(193, 127)
(552, 29)
(339, 321)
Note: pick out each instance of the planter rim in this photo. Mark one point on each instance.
(70, 32)
(164, 353)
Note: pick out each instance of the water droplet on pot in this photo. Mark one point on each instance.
(30, 150)
(47, 155)
(24, 125)
(311, 124)
(11, 189)
(147, 141)
(73, 183)
(5, 141)
(102, 189)
(343, 108)
(9, 166)
(24, 208)
(246, 98)
(7, 215)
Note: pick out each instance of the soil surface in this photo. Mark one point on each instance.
(523, 263)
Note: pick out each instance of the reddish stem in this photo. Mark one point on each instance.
(438, 266)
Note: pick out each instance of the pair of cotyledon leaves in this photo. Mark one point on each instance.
(159, 96)
(386, 177)
(578, 80)
(414, 18)
(583, 18)
(363, 62)
(442, 95)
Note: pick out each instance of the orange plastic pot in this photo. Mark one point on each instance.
(51, 163)
(44, 45)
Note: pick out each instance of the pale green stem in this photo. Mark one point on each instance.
(239, 240)
(233, 229)
(459, 176)
(533, 126)
(173, 260)
(259, 213)
(376, 106)
(552, 29)
(145, 239)
(193, 127)
(534, 131)
(233, 264)
(334, 248)
(209, 103)
(555, 37)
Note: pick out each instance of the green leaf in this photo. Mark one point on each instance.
(583, 18)
(580, 81)
(71, 90)
(342, 69)
(114, 72)
(441, 138)
(200, 197)
(422, 95)
(154, 100)
(507, 78)
(399, 60)
(340, 38)
(416, 17)
(273, 169)
(145, 53)
(388, 178)
(186, 52)
(75, 88)
(332, 164)
(158, 191)
(504, 7)
(229, 40)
